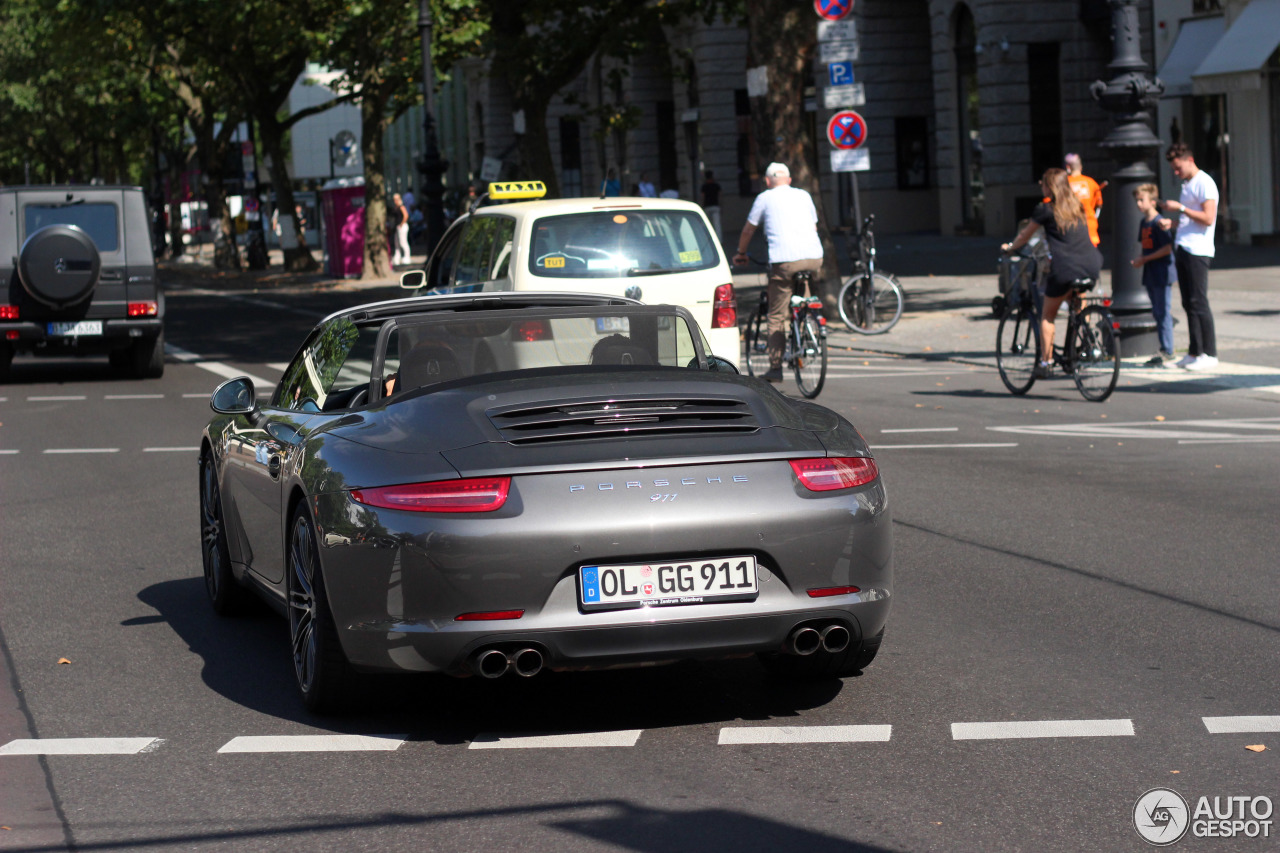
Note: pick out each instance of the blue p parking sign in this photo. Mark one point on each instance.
(841, 73)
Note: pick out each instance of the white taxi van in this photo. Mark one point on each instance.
(660, 251)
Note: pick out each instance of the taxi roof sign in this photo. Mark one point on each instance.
(513, 190)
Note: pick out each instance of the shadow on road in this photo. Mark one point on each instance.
(246, 659)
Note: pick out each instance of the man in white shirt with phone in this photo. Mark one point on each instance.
(1193, 250)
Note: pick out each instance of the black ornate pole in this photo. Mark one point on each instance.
(1129, 96)
(431, 165)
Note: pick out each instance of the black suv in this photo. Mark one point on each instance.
(81, 276)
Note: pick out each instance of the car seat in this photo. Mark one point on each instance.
(427, 363)
(619, 349)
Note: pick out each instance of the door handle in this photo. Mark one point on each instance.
(273, 466)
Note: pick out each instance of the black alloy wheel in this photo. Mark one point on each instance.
(225, 593)
(325, 678)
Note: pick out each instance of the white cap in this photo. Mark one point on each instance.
(777, 170)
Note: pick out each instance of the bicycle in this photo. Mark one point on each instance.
(870, 302)
(1090, 356)
(805, 347)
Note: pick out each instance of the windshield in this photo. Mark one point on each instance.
(422, 350)
(612, 243)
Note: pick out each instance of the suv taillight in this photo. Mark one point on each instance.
(724, 312)
(143, 309)
(825, 475)
(8, 312)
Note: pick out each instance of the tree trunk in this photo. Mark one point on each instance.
(377, 262)
(212, 151)
(293, 241)
(535, 148)
(783, 35)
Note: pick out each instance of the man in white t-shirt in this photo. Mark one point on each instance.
(1193, 250)
(791, 229)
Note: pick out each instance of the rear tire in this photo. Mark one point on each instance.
(225, 593)
(324, 676)
(148, 358)
(1095, 354)
(1017, 345)
(757, 343)
(811, 362)
(6, 358)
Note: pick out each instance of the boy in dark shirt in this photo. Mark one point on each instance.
(1156, 263)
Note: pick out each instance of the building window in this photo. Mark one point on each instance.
(570, 159)
(911, 150)
(1045, 95)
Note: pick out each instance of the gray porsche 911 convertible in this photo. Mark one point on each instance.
(501, 483)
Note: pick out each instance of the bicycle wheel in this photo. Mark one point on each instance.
(1017, 342)
(757, 343)
(849, 305)
(810, 362)
(876, 311)
(1094, 349)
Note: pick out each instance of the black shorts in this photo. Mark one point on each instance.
(1055, 289)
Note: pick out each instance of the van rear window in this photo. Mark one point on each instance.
(100, 221)
(621, 242)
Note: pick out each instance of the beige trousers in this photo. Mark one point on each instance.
(780, 288)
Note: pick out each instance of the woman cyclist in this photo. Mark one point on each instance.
(1074, 256)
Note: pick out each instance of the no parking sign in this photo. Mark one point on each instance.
(832, 10)
(847, 130)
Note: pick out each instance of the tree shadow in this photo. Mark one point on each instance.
(246, 660)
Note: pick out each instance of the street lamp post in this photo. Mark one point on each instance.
(431, 165)
(1129, 96)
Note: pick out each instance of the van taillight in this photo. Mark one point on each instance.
(724, 313)
(533, 330)
(143, 309)
(8, 312)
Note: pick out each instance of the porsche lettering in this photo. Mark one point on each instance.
(636, 484)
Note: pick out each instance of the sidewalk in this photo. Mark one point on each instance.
(948, 316)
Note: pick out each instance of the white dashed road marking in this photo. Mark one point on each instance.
(934, 446)
(81, 746)
(81, 450)
(57, 399)
(134, 397)
(1041, 729)
(1241, 725)
(804, 734)
(8, 453)
(226, 371)
(925, 429)
(170, 449)
(503, 741)
(314, 743)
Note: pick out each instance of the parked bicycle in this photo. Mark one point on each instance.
(1091, 355)
(805, 347)
(870, 301)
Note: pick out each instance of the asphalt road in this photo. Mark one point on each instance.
(1094, 585)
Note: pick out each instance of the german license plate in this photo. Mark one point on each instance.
(673, 583)
(605, 325)
(77, 329)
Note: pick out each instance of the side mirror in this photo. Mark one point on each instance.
(413, 279)
(721, 365)
(234, 397)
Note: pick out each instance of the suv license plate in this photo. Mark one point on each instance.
(672, 583)
(83, 327)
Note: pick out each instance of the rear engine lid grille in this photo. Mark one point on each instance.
(615, 418)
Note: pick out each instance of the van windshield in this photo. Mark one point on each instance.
(613, 243)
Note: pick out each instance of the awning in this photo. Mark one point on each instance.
(1235, 63)
(1194, 42)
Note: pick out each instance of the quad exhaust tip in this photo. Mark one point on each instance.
(527, 662)
(491, 664)
(835, 638)
(804, 641)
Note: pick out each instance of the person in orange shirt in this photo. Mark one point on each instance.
(1088, 191)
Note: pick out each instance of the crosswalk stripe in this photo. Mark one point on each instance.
(313, 743)
(81, 746)
(1041, 729)
(734, 735)
(1241, 725)
(553, 741)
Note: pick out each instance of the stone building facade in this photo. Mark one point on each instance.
(967, 102)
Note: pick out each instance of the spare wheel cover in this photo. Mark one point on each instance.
(59, 265)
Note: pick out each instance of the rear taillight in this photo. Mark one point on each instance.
(476, 494)
(533, 330)
(825, 475)
(724, 313)
(8, 312)
(11, 335)
(143, 309)
(488, 616)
